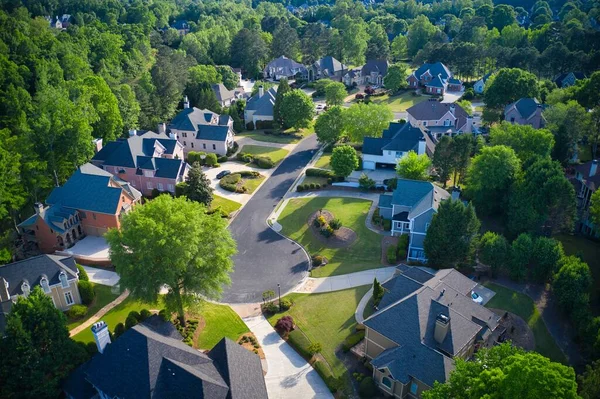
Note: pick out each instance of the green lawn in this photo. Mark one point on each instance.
(103, 297)
(399, 103)
(115, 316)
(290, 137)
(327, 319)
(323, 162)
(276, 154)
(227, 205)
(314, 179)
(221, 321)
(363, 254)
(590, 252)
(253, 183)
(523, 306)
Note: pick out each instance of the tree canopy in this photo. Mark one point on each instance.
(509, 85)
(366, 120)
(523, 139)
(329, 126)
(344, 160)
(297, 109)
(198, 186)
(413, 166)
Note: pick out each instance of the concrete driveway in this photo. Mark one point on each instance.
(233, 167)
(452, 96)
(101, 276)
(288, 374)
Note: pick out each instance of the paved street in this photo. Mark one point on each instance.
(265, 258)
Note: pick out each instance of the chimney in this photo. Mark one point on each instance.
(132, 132)
(172, 136)
(442, 326)
(452, 108)
(593, 167)
(186, 103)
(422, 146)
(162, 128)
(455, 192)
(39, 207)
(4, 295)
(261, 91)
(97, 145)
(101, 335)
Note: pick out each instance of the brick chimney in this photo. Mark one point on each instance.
(39, 207)
(101, 335)
(261, 91)
(186, 103)
(442, 326)
(593, 167)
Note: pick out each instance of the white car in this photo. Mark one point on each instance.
(476, 297)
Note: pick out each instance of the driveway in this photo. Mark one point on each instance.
(452, 96)
(211, 174)
(101, 276)
(288, 374)
(264, 257)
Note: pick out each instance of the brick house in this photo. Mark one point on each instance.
(147, 160)
(441, 119)
(89, 203)
(435, 78)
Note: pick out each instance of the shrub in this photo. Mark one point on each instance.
(180, 189)
(284, 325)
(378, 292)
(211, 159)
(248, 173)
(230, 183)
(365, 182)
(77, 312)
(250, 125)
(164, 314)
(403, 242)
(335, 224)
(317, 260)
(91, 348)
(315, 348)
(391, 183)
(222, 159)
(264, 162)
(86, 291)
(298, 340)
(327, 231)
(387, 225)
(319, 172)
(131, 321)
(286, 304)
(264, 125)
(82, 273)
(391, 254)
(300, 187)
(144, 314)
(155, 192)
(367, 388)
(312, 186)
(321, 221)
(323, 370)
(402, 253)
(352, 340)
(376, 218)
(195, 156)
(119, 330)
(269, 308)
(469, 94)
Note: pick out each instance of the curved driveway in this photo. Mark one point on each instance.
(265, 258)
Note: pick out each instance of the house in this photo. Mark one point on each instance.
(568, 79)
(55, 23)
(284, 67)
(410, 209)
(479, 86)
(150, 360)
(89, 203)
(327, 67)
(426, 319)
(147, 160)
(56, 275)
(181, 26)
(525, 111)
(435, 78)
(259, 107)
(202, 130)
(395, 142)
(66, 21)
(353, 77)
(586, 182)
(225, 97)
(440, 119)
(372, 73)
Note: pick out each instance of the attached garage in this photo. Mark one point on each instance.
(369, 165)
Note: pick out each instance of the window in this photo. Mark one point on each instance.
(171, 188)
(204, 146)
(63, 280)
(160, 186)
(414, 388)
(387, 382)
(447, 122)
(148, 173)
(439, 90)
(192, 145)
(184, 143)
(45, 285)
(94, 216)
(214, 147)
(69, 298)
(149, 185)
(424, 123)
(512, 120)
(184, 134)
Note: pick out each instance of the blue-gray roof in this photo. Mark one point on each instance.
(33, 269)
(411, 192)
(262, 105)
(385, 201)
(212, 132)
(397, 137)
(436, 82)
(190, 119)
(434, 69)
(397, 288)
(525, 106)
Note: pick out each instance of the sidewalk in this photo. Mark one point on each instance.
(99, 315)
(288, 375)
(345, 281)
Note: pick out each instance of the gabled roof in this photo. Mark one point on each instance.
(560, 79)
(284, 66)
(397, 137)
(437, 82)
(329, 65)
(435, 110)
(485, 77)
(54, 216)
(593, 182)
(379, 66)
(262, 105)
(222, 93)
(418, 195)
(434, 69)
(189, 119)
(212, 132)
(526, 107)
(33, 269)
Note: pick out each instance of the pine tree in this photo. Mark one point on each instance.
(198, 186)
(377, 292)
(283, 88)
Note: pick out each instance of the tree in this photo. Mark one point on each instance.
(173, 242)
(37, 353)
(344, 160)
(443, 160)
(503, 15)
(451, 237)
(395, 79)
(567, 122)
(546, 255)
(413, 166)
(588, 94)
(248, 51)
(419, 34)
(330, 125)
(595, 207)
(399, 48)
(282, 89)
(505, 371)
(378, 45)
(12, 194)
(509, 85)
(229, 78)
(378, 292)
(594, 132)
(572, 283)
(335, 93)
(129, 107)
(198, 186)
(285, 41)
(297, 109)
(589, 381)
(366, 120)
(463, 147)
(524, 139)
(490, 176)
(520, 257)
(493, 251)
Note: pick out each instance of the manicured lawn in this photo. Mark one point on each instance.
(252, 183)
(590, 252)
(323, 162)
(290, 136)
(399, 103)
(363, 254)
(227, 205)
(314, 179)
(221, 321)
(327, 319)
(117, 315)
(103, 297)
(276, 154)
(523, 306)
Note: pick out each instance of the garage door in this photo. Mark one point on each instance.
(369, 165)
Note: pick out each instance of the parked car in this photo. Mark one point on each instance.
(223, 174)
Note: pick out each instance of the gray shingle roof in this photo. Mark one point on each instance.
(397, 137)
(189, 119)
(385, 201)
(212, 132)
(329, 66)
(525, 106)
(410, 192)
(434, 69)
(33, 269)
(284, 66)
(379, 66)
(435, 110)
(262, 105)
(223, 94)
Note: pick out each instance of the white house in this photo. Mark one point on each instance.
(479, 86)
(259, 107)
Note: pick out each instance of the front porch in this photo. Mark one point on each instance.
(400, 224)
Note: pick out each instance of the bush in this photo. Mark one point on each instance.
(269, 308)
(195, 156)
(264, 125)
(248, 173)
(367, 388)
(319, 173)
(211, 159)
(155, 192)
(387, 224)
(250, 125)
(286, 304)
(82, 273)
(180, 189)
(352, 340)
(392, 256)
(334, 384)
(391, 183)
(91, 348)
(77, 312)
(335, 224)
(327, 231)
(320, 221)
(317, 260)
(264, 162)
(144, 314)
(365, 182)
(222, 158)
(119, 330)
(298, 340)
(86, 291)
(131, 320)
(164, 314)
(300, 187)
(284, 325)
(230, 183)
(469, 94)
(402, 253)
(403, 242)
(315, 348)
(244, 157)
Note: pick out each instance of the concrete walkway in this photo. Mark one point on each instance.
(360, 309)
(243, 140)
(345, 281)
(288, 375)
(99, 314)
(101, 276)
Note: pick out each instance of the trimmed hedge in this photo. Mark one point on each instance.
(211, 159)
(300, 342)
(264, 125)
(392, 256)
(367, 388)
(334, 384)
(264, 162)
(83, 276)
(77, 312)
(119, 329)
(248, 173)
(86, 291)
(319, 172)
(230, 182)
(352, 340)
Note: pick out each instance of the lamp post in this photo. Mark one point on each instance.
(279, 293)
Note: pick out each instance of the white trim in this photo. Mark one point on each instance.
(421, 234)
(66, 299)
(425, 211)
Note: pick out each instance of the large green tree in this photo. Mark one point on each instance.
(395, 79)
(443, 159)
(344, 160)
(12, 193)
(330, 125)
(285, 42)
(572, 283)
(419, 34)
(452, 235)
(509, 85)
(589, 381)
(366, 120)
(282, 89)
(567, 122)
(249, 51)
(413, 166)
(595, 207)
(172, 242)
(335, 93)
(493, 251)
(297, 109)
(524, 139)
(198, 186)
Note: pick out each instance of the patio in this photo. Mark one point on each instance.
(90, 250)
(485, 293)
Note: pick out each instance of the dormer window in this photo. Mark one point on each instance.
(63, 280)
(25, 288)
(45, 285)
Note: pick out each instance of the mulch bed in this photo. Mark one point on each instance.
(522, 336)
(342, 238)
(249, 345)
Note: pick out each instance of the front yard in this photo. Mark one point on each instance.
(323, 162)
(228, 206)
(327, 319)
(523, 306)
(401, 102)
(276, 154)
(103, 296)
(362, 254)
(288, 136)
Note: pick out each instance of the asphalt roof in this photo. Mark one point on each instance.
(212, 132)
(434, 69)
(329, 65)
(379, 66)
(222, 92)
(262, 105)
(410, 192)
(385, 201)
(435, 110)
(593, 182)
(33, 269)
(397, 137)
(525, 107)
(190, 119)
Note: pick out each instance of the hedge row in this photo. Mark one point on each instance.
(334, 384)
(259, 160)
(311, 186)
(298, 340)
(320, 173)
(230, 183)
